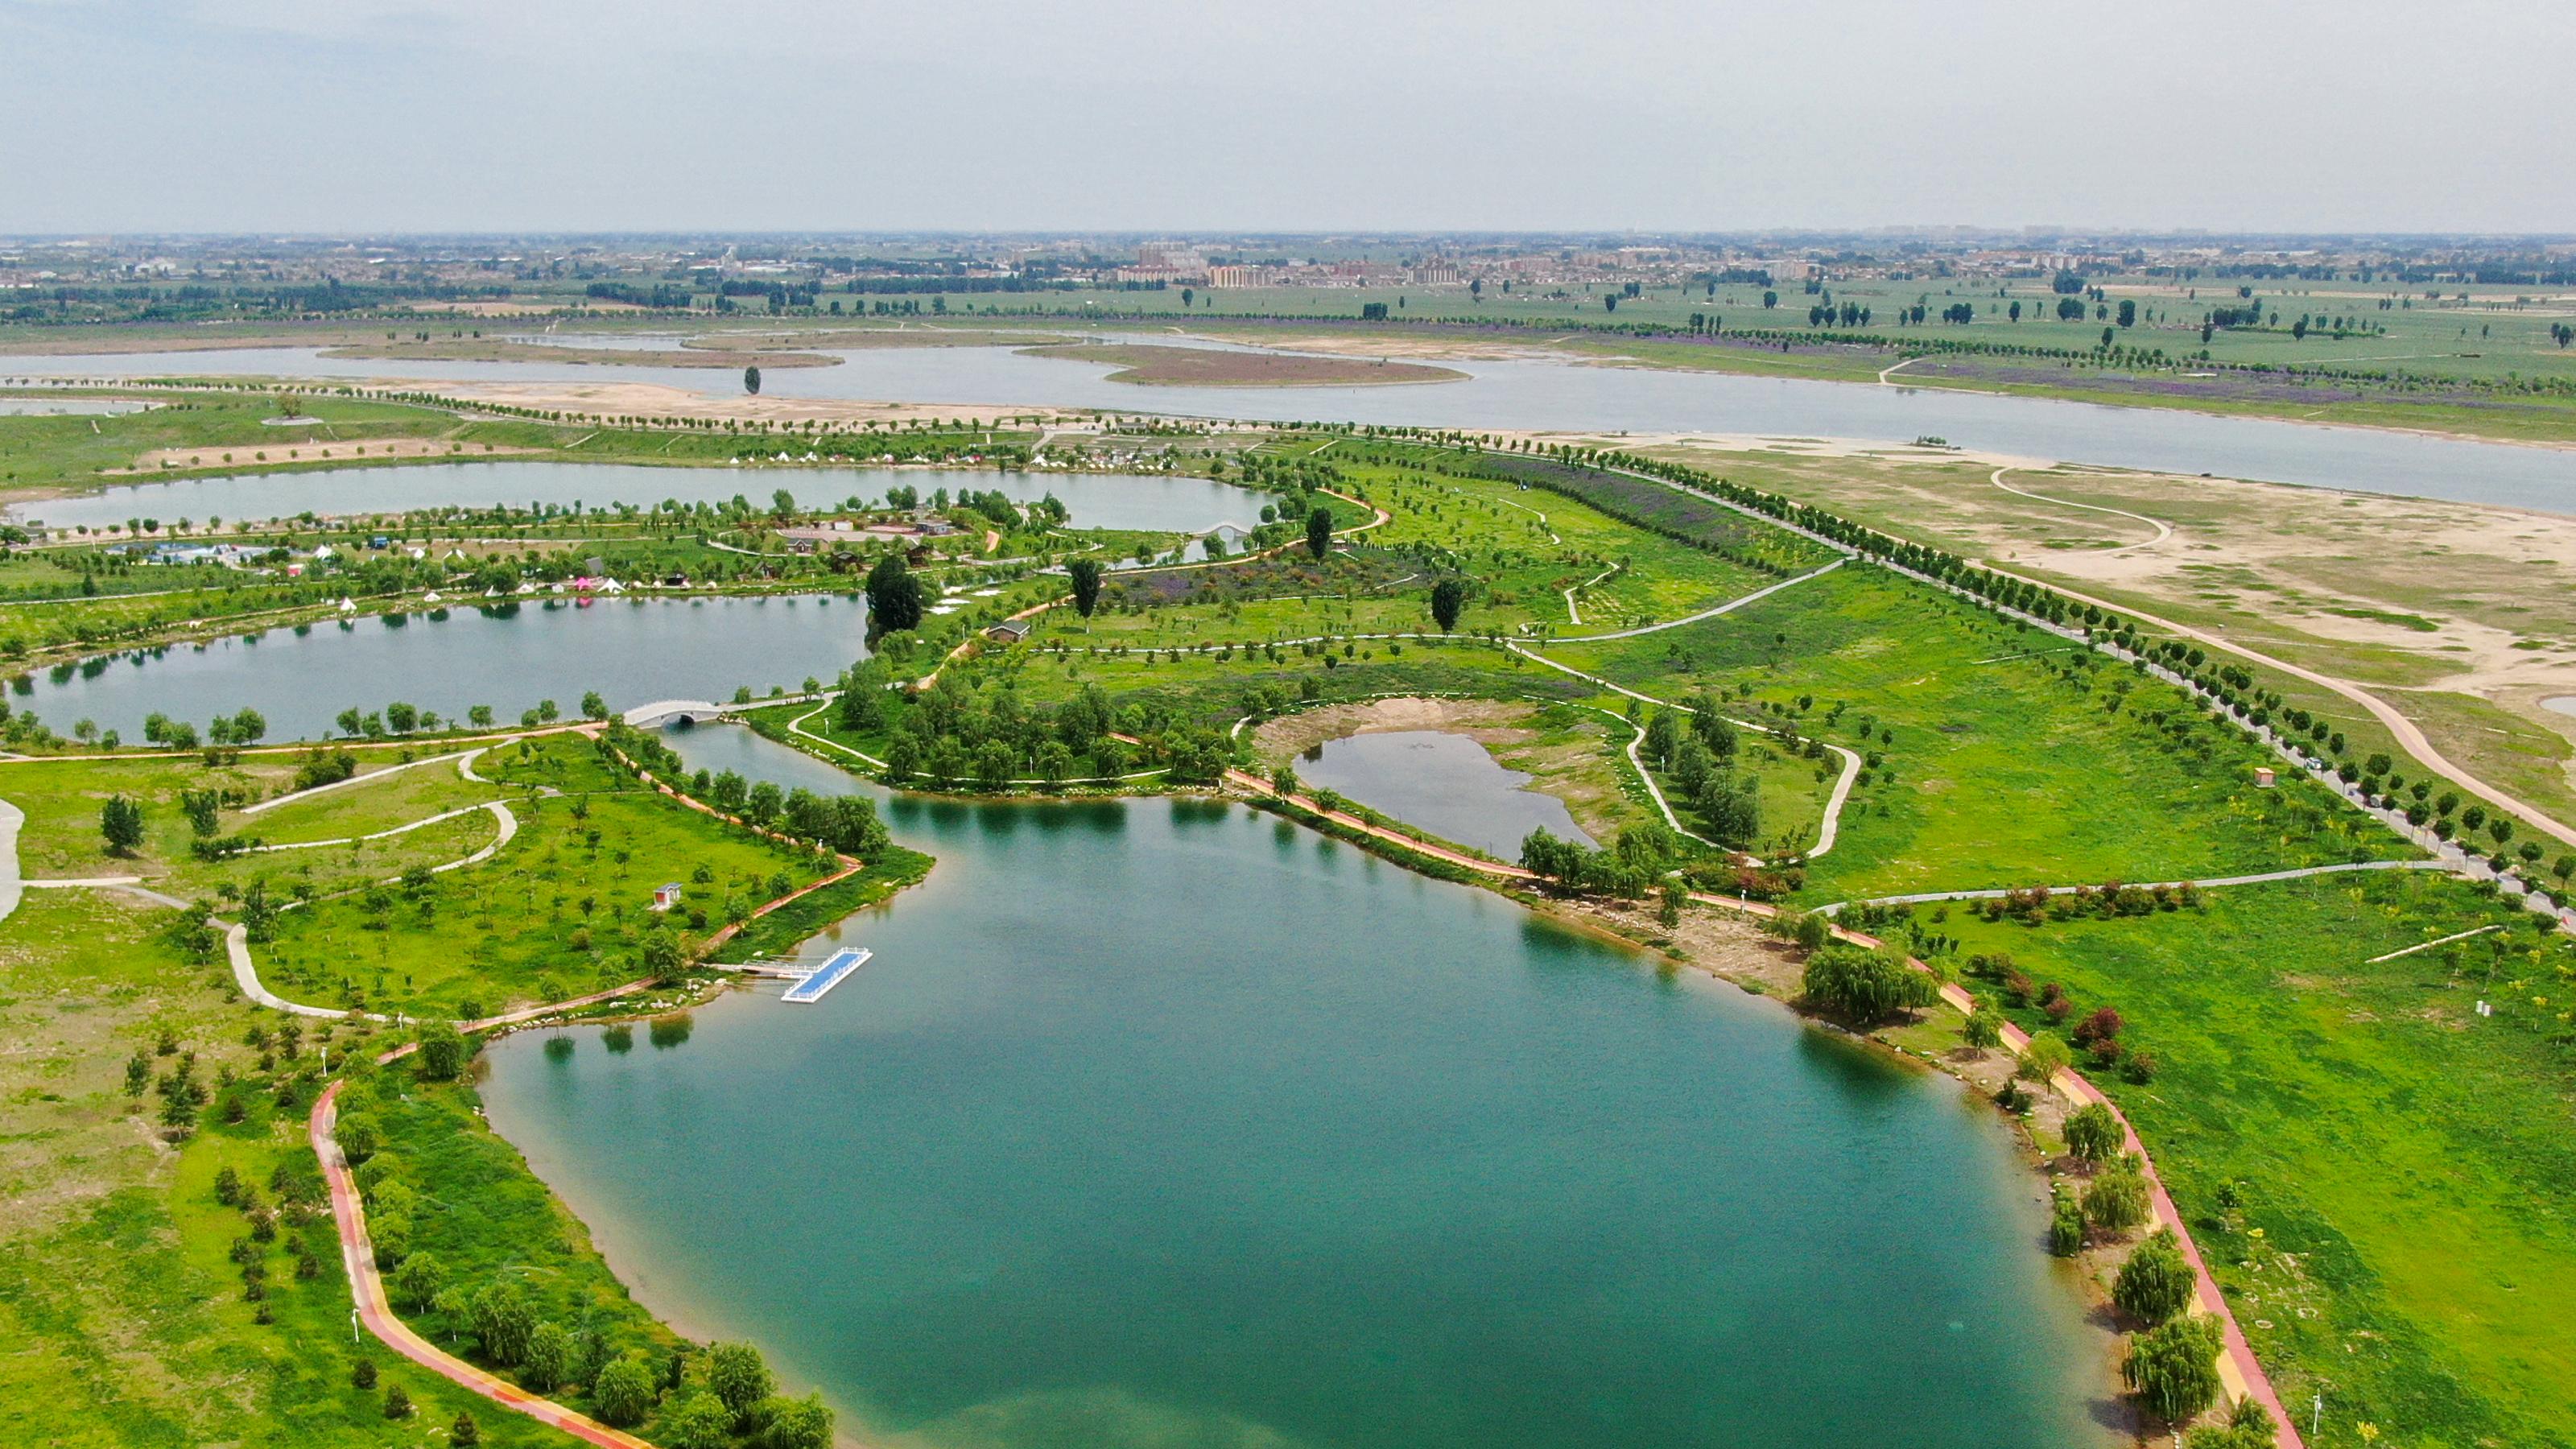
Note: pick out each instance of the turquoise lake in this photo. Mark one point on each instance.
(1165, 1123)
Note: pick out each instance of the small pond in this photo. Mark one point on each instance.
(1445, 783)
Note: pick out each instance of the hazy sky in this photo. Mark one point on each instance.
(463, 115)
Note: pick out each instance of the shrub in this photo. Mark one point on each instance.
(624, 1393)
(2157, 1283)
(2174, 1369)
(397, 1403)
(362, 1374)
(2065, 1223)
(2101, 1026)
(465, 1433)
(2092, 1133)
(2141, 1067)
(2248, 1426)
(739, 1376)
(2117, 1200)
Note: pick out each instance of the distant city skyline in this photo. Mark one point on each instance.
(1142, 116)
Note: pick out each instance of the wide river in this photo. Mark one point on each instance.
(1546, 394)
(1167, 1123)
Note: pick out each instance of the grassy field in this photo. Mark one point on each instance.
(2375, 1168)
(1998, 767)
(125, 1313)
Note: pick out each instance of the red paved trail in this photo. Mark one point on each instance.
(358, 1257)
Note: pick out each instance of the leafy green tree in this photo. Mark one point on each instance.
(418, 1281)
(2043, 1059)
(740, 1377)
(203, 809)
(2157, 1282)
(120, 821)
(2117, 1198)
(359, 1135)
(2092, 1133)
(1448, 597)
(442, 1052)
(700, 1422)
(2065, 1222)
(796, 1423)
(1865, 986)
(1319, 531)
(593, 707)
(2174, 1369)
(1085, 574)
(895, 597)
(1984, 1028)
(548, 1364)
(624, 1393)
(502, 1322)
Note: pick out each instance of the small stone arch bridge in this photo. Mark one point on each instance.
(664, 711)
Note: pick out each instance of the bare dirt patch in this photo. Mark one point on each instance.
(601, 400)
(503, 350)
(852, 339)
(309, 449)
(1491, 723)
(1152, 365)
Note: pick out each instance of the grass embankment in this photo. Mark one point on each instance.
(125, 1283)
(2373, 1166)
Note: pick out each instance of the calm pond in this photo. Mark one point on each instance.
(509, 656)
(1169, 1123)
(1445, 783)
(1549, 394)
(1098, 500)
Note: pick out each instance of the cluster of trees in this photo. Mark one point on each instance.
(1698, 751)
(1629, 869)
(961, 731)
(245, 726)
(847, 824)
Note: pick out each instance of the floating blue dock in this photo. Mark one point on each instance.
(828, 975)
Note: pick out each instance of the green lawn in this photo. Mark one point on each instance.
(2400, 1164)
(2007, 772)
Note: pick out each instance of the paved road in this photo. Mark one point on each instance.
(2212, 882)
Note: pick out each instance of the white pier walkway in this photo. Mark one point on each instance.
(828, 975)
